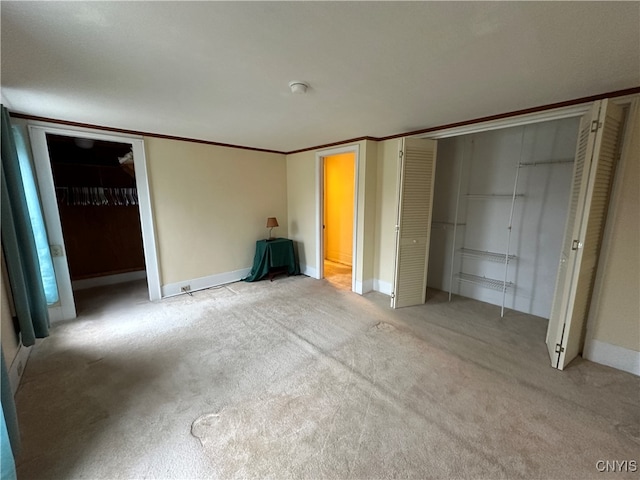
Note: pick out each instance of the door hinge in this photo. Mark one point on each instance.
(397, 228)
(576, 245)
(393, 295)
(559, 348)
(595, 125)
(400, 154)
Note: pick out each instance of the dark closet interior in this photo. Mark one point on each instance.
(98, 204)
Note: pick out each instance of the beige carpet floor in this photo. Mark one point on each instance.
(297, 379)
(338, 275)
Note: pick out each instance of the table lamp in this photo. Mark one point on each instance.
(271, 222)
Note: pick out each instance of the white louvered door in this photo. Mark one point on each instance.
(597, 153)
(413, 224)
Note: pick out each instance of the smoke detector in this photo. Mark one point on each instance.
(298, 87)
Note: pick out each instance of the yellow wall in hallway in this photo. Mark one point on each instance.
(338, 207)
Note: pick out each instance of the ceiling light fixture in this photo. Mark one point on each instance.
(298, 87)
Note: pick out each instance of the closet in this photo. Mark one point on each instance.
(499, 211)
(98, 205)
(516, 217)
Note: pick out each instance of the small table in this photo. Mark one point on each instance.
(273, 257)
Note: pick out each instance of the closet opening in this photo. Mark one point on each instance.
(97, 199)
(500, 207)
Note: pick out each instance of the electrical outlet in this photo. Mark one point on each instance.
(185, 288)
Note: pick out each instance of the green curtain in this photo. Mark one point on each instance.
(19, 245)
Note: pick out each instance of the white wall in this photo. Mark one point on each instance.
(489, 163)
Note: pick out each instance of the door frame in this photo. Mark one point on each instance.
(320, 156)
(37, 135)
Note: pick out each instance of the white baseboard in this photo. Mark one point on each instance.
(612, 356)
(382, 287)
(17, 367)
(172, 289)
(364, 287)
(308, 271)
(108, 280)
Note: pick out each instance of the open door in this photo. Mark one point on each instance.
(597, 153)
(413, 224)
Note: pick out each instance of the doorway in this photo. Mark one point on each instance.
(97, 199)
(97, 208)
(339, 188)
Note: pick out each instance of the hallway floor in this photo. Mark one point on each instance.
(338, 274)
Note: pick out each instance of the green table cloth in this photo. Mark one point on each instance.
(273, 254)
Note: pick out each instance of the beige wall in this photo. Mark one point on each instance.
(369, 195)
(210, 204)
(386, 213)
(10, 341)
(615, 310)
(301, 207)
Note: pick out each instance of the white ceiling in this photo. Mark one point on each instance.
(220, 71)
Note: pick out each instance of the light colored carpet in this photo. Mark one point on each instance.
(338, 275)
(296, 379)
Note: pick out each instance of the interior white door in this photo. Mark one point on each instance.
(596, 156)
(413, 224)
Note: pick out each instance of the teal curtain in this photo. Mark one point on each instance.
(18, 243)
(47, 273)
(24, 244)
(7, 462)
(9, 434)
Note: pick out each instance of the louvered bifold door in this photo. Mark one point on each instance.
(417, 173)
(598, 150)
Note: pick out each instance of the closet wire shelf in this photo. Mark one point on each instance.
(490, 256)
(486, 282)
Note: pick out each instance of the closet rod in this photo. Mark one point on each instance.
(545, 162)
(94, 165)
(487, 196)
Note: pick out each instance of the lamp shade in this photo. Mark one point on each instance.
(272, 222)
